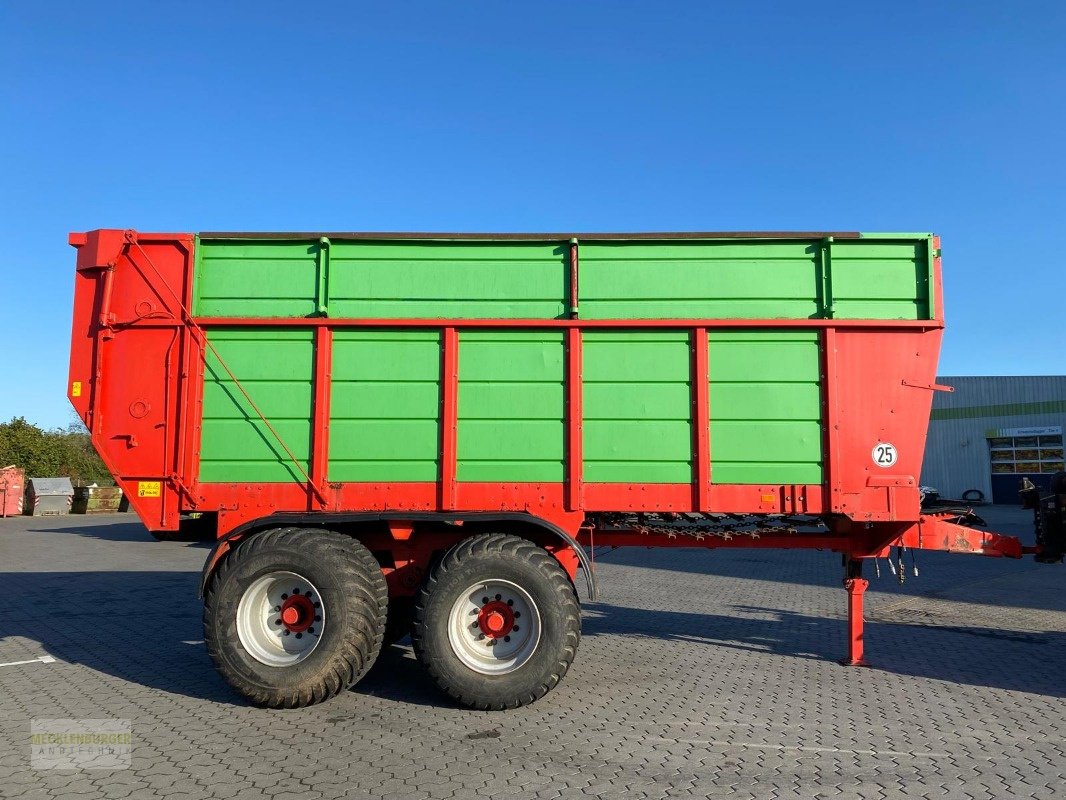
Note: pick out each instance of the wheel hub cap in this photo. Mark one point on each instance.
(280, 618)
(297, 613)
(494, 627)
(495, 619)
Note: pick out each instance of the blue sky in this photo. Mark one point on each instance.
(494, 116)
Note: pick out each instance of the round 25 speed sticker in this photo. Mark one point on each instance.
(884, 454)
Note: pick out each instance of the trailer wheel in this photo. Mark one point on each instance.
(497, 622)
(295, 616)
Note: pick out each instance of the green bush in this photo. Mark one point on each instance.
(52, 453)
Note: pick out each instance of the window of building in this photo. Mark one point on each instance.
(1026, 454)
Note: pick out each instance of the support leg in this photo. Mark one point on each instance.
(855, 585)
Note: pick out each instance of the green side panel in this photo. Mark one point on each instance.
(447, 280)
(275, 368)
(385, 406)
(766, 407)
(755, 279)
(880, 280)
(255, 279)
(511, 407)
(709, 279)
(637, 407)
(869, 278)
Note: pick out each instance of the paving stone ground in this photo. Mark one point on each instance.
(700, 674)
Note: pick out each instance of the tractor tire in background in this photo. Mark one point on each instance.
(294, 616)
(497, 622)
(400, 619)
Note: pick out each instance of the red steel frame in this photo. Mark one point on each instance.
(156, 281)
(449, 418)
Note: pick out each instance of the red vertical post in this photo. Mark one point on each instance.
(701, 418)
(322, 389)
(937, 303)
(449, 418)
(193, 407)
(855, 585)
(188, 417)
(574, 422)
(830, 420)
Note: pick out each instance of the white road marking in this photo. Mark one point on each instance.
(38, 660)
(764, 746)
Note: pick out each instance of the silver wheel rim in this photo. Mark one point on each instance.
(261, 629)
(472, 639)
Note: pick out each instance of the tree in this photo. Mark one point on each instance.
(51, 453)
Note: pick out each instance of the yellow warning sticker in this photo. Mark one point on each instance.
(75, 389)
(148, 489)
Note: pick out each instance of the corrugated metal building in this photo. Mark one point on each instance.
(992, 431)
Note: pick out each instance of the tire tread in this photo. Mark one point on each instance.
(363, 589)
(500, 544)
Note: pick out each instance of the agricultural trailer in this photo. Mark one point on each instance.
(429, 433)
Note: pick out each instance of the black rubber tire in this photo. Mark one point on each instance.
(498, 556)
(401, 618)
(355, 597)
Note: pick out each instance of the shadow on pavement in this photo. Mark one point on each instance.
(1025, 661)
(398, 676)
(111, 531)
(144, 627)
(942, 575)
